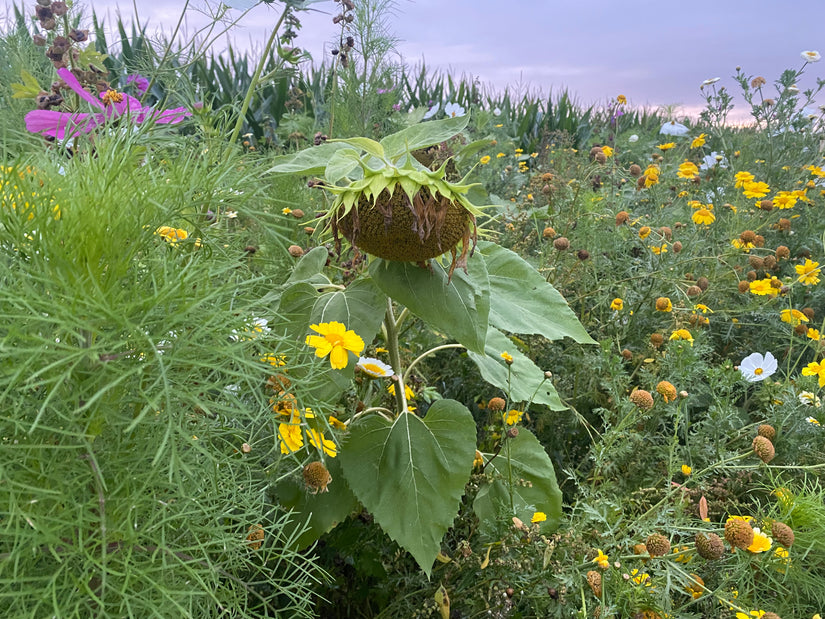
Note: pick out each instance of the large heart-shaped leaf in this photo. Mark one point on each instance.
(320, 512)
(534, 485)
(523, 381)
(423, 135)
(293, 309)
(309, 268)
(458, 308)
(308, 162)
(523, 302)
(410, 473)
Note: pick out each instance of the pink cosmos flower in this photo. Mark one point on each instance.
(112, 105)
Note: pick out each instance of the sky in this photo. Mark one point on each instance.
(655, 52)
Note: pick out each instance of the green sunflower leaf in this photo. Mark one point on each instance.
(524, 381)
(423, 135)
(523, 302)
(528, 462)
(458, 308)
(410, 473)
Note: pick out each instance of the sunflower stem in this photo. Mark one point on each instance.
(391, 327)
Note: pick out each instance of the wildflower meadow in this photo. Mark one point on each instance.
(344, 337)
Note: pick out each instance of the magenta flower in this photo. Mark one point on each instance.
(140, 82)
(112, 105)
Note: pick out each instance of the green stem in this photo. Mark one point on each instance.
(255, 79)
(425, 354)
(391, 327)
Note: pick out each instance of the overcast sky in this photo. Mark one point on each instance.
(656, 52)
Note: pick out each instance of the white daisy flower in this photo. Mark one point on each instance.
(755, 367)
(674, 128)
(374, 367)
(810, 56)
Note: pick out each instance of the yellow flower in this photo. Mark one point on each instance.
(761, 542)
(703, 217)
(334, 340)
(762, 287)
(512, 417)
(702, 308)
(753, 189)
(792, 316)
(286, 210)
(602, 560)
(698, 142)
(621, 100)
(318, 440)
(742, 178)
(682, 334)
(815, 369)
(617, 305)
(407, 391)
(508, 358)
(171, 235)
(640, 579)
(667, 146)
(740, 244)
(337, 423)
(753, 613)
(538, 517)
(644, 232)
(291, 437)
(686, 470)
(808, 272)
(478, 460)
(500, 155)
(519, 151)
(813, 334)
(687, 170)
(659, 250)
(484, 160)
(784, 200)
(608, 152)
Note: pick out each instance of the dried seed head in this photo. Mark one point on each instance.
(677, 247)
(496, 405)
(583, 254)
(601, 158)
(767, 430)
(782, 252)
(757, 82)
(255, 536)
(656, 339)
(703, 283)
(693, 291)
(626, 354)
(748, 236)
(295, 251)
(548, 233)
(561, 243)
(744, 286)
(763, 448)
(710, 546)
(622, 217)
(766, 205)
(635, 170)
(642, 399)
(769, 262)
(809, 312)
(782, 533)
(594, 579)
(317, 477)
(756, 262)
(739, 533)
(657, 544)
